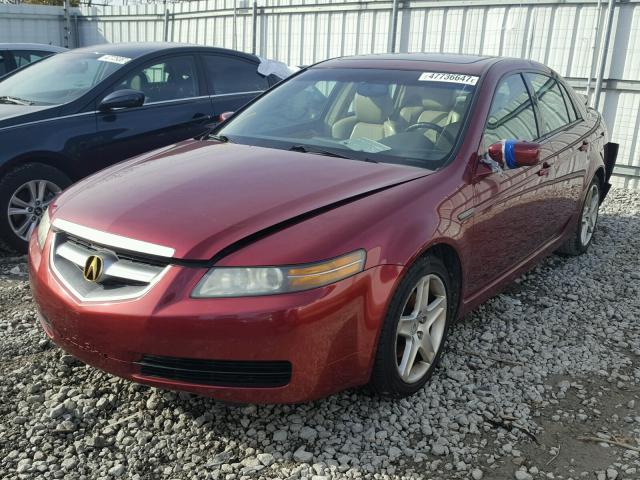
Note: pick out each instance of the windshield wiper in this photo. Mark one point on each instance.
(318, 151)
(328, 153)
(14, 100)
(218, 138)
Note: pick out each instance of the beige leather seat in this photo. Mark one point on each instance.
(411, 109)
(371, 119)
(437, 112)
(139, 82)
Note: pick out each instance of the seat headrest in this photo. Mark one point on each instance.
(432, 104)
(376, 109)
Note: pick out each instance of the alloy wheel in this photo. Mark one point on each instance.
(27, 205)
(589, 215)
(421, 328)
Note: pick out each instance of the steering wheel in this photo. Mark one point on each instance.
(440, 130)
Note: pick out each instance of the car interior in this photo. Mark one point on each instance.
(172, 79)
(413, 122)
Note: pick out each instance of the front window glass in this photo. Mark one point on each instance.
(171, 79)
(511, 115)
(59, 79)
(396, 116)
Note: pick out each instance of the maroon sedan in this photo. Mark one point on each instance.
(326, 235)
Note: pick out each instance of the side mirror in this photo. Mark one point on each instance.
(224, 116)
(125, 98)
(514, 154)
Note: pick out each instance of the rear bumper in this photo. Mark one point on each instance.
(327, 336)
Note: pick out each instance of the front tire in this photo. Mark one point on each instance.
(414, 330)
(25, 193)
(582, 236)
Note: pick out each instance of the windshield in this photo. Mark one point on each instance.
(58, 79)
(396, 116)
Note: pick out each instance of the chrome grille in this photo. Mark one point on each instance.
(124, 276)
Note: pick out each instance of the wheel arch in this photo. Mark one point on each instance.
(452, 259)
(600, 174)
(51, 159)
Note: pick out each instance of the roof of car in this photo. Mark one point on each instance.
(32, 46)
(439, 62)
(135, 50)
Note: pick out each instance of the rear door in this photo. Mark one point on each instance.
(510, 211)
(232, 81)
(176, 108)
(560, 134)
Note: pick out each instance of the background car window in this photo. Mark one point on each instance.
(171, 79)
(59, 78)
(25, 57)
(511, 115)
(4, 67)
(306, 105)
(550, 102)
(227, 74)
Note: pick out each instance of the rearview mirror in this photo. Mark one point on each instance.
(224, 116)
(125, 98)
(514, 154)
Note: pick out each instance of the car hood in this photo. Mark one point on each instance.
(201, 197)
(16, 114)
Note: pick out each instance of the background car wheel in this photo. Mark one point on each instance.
(581, 238)
(414, 330)
(25, 192)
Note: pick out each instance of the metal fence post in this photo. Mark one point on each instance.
(165, 33)
(603, 53)
(76, 29)
(254, 22)
(394, 26)
(235, 19)
(594, 53)
(67, 23)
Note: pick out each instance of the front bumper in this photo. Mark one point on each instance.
(328, 335)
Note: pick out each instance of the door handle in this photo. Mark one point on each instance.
(584, 147)
(544, 171)
(202, 116)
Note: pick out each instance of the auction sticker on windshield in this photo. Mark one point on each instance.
(114, 59)
(448, 78)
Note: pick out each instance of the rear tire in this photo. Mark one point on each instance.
(581, 238)
(25, 192)
(414, 330)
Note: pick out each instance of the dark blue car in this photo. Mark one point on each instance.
(76, 112)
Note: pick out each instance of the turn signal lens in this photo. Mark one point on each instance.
(43, 228)
(327, 272)
(254, 281)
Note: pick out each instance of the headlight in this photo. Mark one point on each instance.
(251, 281)
(43, 228)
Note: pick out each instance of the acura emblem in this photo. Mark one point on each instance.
(93, 268)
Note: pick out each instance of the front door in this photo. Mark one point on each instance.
(510, 211)
(174, 110)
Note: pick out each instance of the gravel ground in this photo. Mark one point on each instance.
(553, 359)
